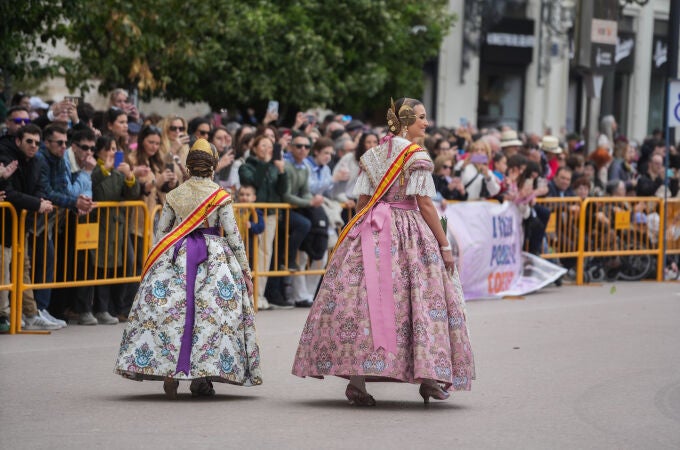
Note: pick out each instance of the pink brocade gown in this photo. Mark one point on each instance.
(432, 335)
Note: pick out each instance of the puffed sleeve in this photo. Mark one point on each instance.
(165, 223)
(228, 223)
(363, 186)
(420, 181)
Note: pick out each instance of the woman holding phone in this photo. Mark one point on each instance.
(478, 180)
(117, 126)
(111, 184)
(175, 142)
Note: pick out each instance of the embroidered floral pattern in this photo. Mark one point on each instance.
(432, 335)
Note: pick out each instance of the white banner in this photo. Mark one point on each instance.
(487, 239)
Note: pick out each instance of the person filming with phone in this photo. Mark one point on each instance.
(477, 178)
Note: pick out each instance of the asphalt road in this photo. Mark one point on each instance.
(566, 368)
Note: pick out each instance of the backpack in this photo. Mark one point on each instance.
(315, 243)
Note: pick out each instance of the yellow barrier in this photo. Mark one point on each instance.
(562, 227)
(94, 261)
(624, 232)
(597, 228)
(8, 277)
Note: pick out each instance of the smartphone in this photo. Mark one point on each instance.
(170, 166)
(346, 118)
(276, 154)
(311, 118)
(479, 158)
(118, 158)
(72, 99)
(463, 122)
(273, 106)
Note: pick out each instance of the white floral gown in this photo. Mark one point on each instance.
(223, 344)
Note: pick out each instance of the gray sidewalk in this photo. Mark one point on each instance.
(567, 368)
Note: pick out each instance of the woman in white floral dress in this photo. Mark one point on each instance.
(192, 318)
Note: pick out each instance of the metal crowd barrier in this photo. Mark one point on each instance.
(80, 256)
(8, 272)
(601, 233)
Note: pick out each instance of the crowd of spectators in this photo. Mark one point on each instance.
(70, 156)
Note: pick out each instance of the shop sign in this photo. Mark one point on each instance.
(625, 52)
(511, 41)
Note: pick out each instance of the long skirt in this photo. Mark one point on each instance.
(429, 314)
(223, 343)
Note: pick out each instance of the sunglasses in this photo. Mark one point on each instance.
(30, 141)
(174, 128)
(86, 148)
(203, 132)
(59, 142)
(302, 146)
(20, 120)
(447, 167)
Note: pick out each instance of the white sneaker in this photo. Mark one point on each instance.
(37, 322)
(47, 316)
(263, 304)
(104, 318)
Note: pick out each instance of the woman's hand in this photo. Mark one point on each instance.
(124, 168)
(280, 165)
(169, 177)
(447, 257)
(141, 171)
(249, 282)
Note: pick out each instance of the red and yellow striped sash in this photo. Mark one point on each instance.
(214, 200)
(390, 176)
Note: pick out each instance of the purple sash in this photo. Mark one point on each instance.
(197, 252)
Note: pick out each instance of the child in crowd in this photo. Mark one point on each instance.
(250, 220)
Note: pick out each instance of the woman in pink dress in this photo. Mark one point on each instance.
(390, 306)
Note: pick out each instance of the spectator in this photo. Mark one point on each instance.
(221, 139)
(175, 141)
(117, 126)
(17, 117)
(155, 178)
(608, 129)
(112, 184)
(5, 173)
(25, 192)
(590, 173)
(448, 186)
(250, 221)
(198, 127)
(651, 182)
(56, 177)
(343, 190)
(324, 219)
(551, 148)
(478, 181)
(119, 98)
(500, 166)
(560, 185)
(268, 176)
(576, 163)
(79, 162)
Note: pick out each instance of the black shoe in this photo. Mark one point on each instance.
(280, 304)
(558, 282)
(304, 303)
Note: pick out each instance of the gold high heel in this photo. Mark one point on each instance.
(170, 387)
(432, 390)
(357, 397)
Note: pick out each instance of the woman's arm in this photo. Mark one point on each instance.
(431, 216)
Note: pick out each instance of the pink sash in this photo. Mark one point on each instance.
(380, 294)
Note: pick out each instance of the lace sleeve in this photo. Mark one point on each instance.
(363, 186)
(420, 181)
(165, 223)
(231, 233)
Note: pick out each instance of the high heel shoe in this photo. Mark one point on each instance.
(432, 390)
(170, 388)
(357, 397)
(201, 387)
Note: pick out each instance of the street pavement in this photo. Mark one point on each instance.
(593, 367)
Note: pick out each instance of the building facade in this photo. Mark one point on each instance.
(514, 62)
